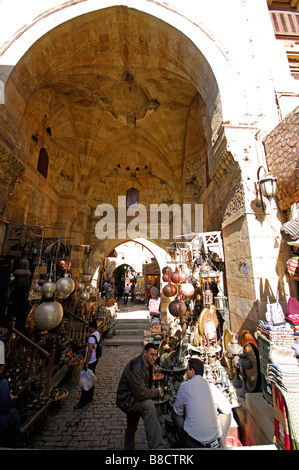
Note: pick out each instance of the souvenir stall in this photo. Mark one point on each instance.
(278, 340)
(139, 296)
(45, 342)
(196, 326)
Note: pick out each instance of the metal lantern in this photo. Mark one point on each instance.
(80, 286)
(234, 349)
(266, 184)
(84, 296)
(48, 315)
(221, 302)
(48, 289)
(65, 286)
(37, 288)
(208, 297)
(61, 295)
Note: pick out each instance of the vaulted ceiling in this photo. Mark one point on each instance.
(119, 99)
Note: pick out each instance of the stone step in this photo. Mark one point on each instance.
(131, 327)
(137, 324)
(118, 340)
(128, 331)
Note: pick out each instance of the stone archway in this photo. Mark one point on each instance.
(189, 139)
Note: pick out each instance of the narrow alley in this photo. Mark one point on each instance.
(101, 425)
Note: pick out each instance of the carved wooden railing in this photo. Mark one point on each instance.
(36, 363)
(77, 328)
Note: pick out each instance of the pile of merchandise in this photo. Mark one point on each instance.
(280, 374)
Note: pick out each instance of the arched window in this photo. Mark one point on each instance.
(132, 198)
(43, 162)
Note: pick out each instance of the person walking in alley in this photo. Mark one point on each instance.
(195, 412)
(132, 290)
(126, 293)
(90, 362)
(135, 398)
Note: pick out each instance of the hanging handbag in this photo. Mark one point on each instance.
(275, 314)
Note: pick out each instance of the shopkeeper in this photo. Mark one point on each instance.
(196, 410)
(135, 398)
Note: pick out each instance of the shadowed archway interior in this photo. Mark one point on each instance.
(118, 100)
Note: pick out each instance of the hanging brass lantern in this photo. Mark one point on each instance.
(208, 297)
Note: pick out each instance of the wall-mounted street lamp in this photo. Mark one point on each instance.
(266, 185)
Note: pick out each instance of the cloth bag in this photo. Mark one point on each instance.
(275, 314)
(87, 380)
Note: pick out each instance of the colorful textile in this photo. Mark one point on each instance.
(292, 315)
(287, 417)
(290, 230)
(293, 267)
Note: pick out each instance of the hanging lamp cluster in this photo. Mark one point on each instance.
(179, 287)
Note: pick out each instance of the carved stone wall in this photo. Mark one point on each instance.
(282, 150)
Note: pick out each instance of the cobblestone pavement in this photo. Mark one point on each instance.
(100, 425)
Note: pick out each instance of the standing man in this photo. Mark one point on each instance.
(90, 362)
(195, 412)
(132, 290)
(135, 398)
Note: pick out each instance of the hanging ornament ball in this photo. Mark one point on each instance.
(65, 285)
(48, 315)
(89, 289)
(167, 270)
(84, 296)
(37, 288)
(61, 295)
(177, 308)
(80, 286)
(48, 289)
(187, 289)
(175, 276)
(169, 290)
(166, 277)
(183, 277)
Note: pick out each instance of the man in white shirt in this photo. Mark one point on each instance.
(195, 412)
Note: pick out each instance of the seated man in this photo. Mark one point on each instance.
(195, 412)
(10, 435)
(134, 397)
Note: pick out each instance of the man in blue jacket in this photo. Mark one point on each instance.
(135, 398)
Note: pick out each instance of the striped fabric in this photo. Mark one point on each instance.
(293, 267)
(290, 230)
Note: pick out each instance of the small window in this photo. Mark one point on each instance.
(132, 198)
(43, 162)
